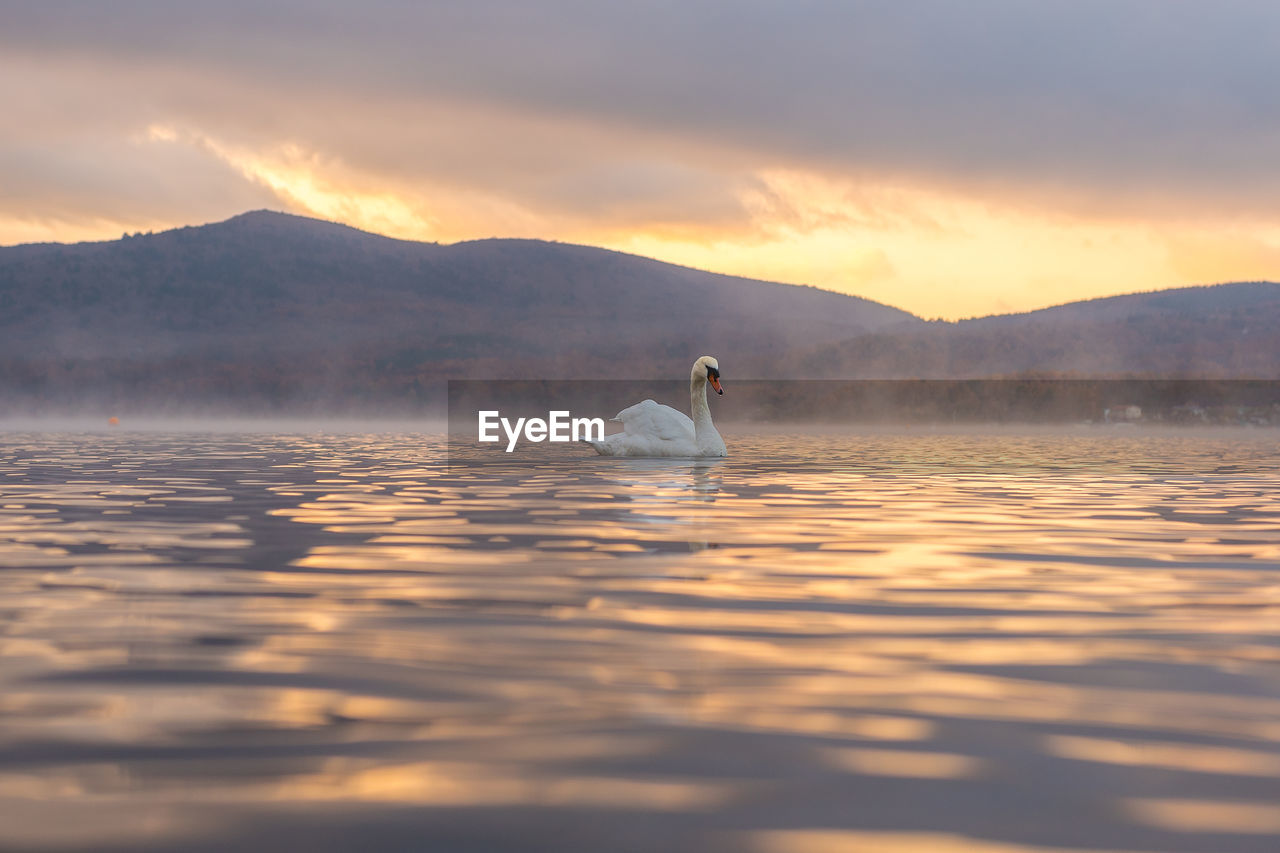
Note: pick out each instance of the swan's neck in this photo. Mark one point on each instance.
(703, 429)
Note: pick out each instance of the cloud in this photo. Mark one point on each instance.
(1077, 103)
(70, 188)
(843, 143)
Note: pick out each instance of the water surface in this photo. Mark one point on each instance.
(858, 642)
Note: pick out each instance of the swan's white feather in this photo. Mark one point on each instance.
(657, 420)
(652, 429)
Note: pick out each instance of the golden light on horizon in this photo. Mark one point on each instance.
(949, 169)
(937, 252)
(323, 187)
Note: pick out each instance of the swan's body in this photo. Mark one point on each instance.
(652, 429)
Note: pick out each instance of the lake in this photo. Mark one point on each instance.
(888, 642)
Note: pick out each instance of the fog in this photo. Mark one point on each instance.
(223, 423)
(753, 405)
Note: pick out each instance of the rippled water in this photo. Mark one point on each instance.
(858, 642)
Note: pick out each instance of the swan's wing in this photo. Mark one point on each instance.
(650, 429)
(656, 421)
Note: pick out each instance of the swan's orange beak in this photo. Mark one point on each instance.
(715, 383)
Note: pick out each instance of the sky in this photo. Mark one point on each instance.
(953, 159)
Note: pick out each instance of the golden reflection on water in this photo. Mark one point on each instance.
(833, 841)
(925, 642)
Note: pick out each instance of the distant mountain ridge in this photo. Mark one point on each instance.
(273, 305)
(1204, 298)
(269, 309)
(1213, 331)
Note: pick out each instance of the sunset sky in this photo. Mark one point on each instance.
(954, 159)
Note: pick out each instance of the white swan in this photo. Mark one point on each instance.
(652, 429)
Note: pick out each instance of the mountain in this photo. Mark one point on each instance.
(1219, 331)
(268, 307)
(268, 310)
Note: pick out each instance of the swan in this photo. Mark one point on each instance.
(652, 429)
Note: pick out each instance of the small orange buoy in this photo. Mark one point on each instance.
(113, 421)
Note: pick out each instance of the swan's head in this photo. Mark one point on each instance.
(708, 370)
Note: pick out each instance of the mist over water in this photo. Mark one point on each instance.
(893, 642)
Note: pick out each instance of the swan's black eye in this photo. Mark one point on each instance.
(712, 372)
